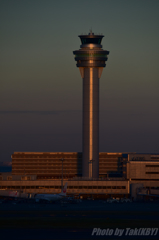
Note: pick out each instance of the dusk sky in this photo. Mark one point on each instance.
(41, 87)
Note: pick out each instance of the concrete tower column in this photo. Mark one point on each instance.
(90, 122)
(90, 60)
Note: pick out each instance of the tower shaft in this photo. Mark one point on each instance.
(90, 123)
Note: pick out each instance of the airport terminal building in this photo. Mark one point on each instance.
(120, 174)
(49, 165)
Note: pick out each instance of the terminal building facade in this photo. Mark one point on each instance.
(49, 165)
(120, 174)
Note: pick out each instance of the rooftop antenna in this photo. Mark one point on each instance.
(90, 33)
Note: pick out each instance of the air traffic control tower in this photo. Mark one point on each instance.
(91, 60)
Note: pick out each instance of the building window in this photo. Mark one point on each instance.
(26, 178)
(152, 165)
(152, 172)
(9, 178)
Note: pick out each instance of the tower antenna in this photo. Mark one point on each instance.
(91, 31)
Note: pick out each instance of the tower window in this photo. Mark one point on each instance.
(91, 40)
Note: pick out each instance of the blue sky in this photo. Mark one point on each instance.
(41, 87)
